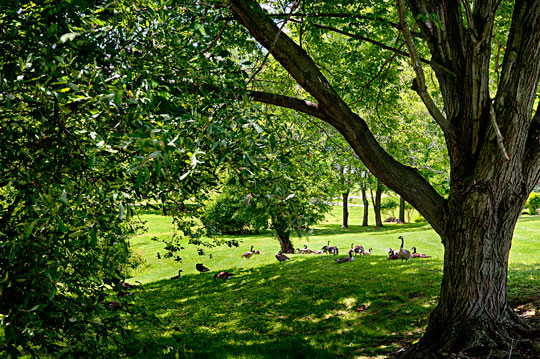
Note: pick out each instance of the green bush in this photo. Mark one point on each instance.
(533, 203)
(232, 212)
(389, 205)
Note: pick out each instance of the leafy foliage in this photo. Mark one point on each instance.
(533, 203)
(231, 212)
(101, 108)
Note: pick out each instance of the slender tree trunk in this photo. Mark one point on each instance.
(345, 222)
(366, 207)
(401, 209)
(283, 234)
(377, 204)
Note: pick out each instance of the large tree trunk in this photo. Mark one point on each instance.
(366, 207)
(345, 221)
(473, 309)
(283, 235)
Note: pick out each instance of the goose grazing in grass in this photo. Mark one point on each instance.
(177, 276)
(357, 249)
(404, 254)
(281, 257)
(418, 255)
(222, 275)
(248, 254)
(346, 259)
(201, 268)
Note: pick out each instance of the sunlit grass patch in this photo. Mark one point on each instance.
(309, 307)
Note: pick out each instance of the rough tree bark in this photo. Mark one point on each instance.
(345, 221)
(493, 145)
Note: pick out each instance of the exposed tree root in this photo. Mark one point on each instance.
(477, 339)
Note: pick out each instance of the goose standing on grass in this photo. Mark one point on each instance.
(223, 275)
(248, 254)
(201, 268)
(346, 259)
(357, 249)
(368, 252)
(418, 255)
(404, 254)
(179, 276)
(281, 257)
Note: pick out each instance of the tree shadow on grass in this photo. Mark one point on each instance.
(309, 307)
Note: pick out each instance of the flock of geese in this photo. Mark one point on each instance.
(402, 253)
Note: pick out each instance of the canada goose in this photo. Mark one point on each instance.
(404, 254)
(114, 305)
(393, 255)
(330, 249)
(346, 259)
(126, 285)
(201, 268)
(178, 276)
(223, 275)
(256, 251)
(418, 255)
(281, 257)
(306, 249)
(368, 252)
(357, 249)
(124, 294)
(248, 254)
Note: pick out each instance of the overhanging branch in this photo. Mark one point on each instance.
(304, 106)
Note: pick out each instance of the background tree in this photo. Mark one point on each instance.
(489, 124)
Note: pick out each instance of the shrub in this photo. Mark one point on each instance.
(232, 212)
(533, 203)
(389, 205)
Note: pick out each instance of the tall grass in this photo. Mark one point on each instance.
(308, 307)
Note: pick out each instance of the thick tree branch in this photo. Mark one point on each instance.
(520, 77)
(405, 180)
(420, 78)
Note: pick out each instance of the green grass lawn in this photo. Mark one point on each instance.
(308, 307)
